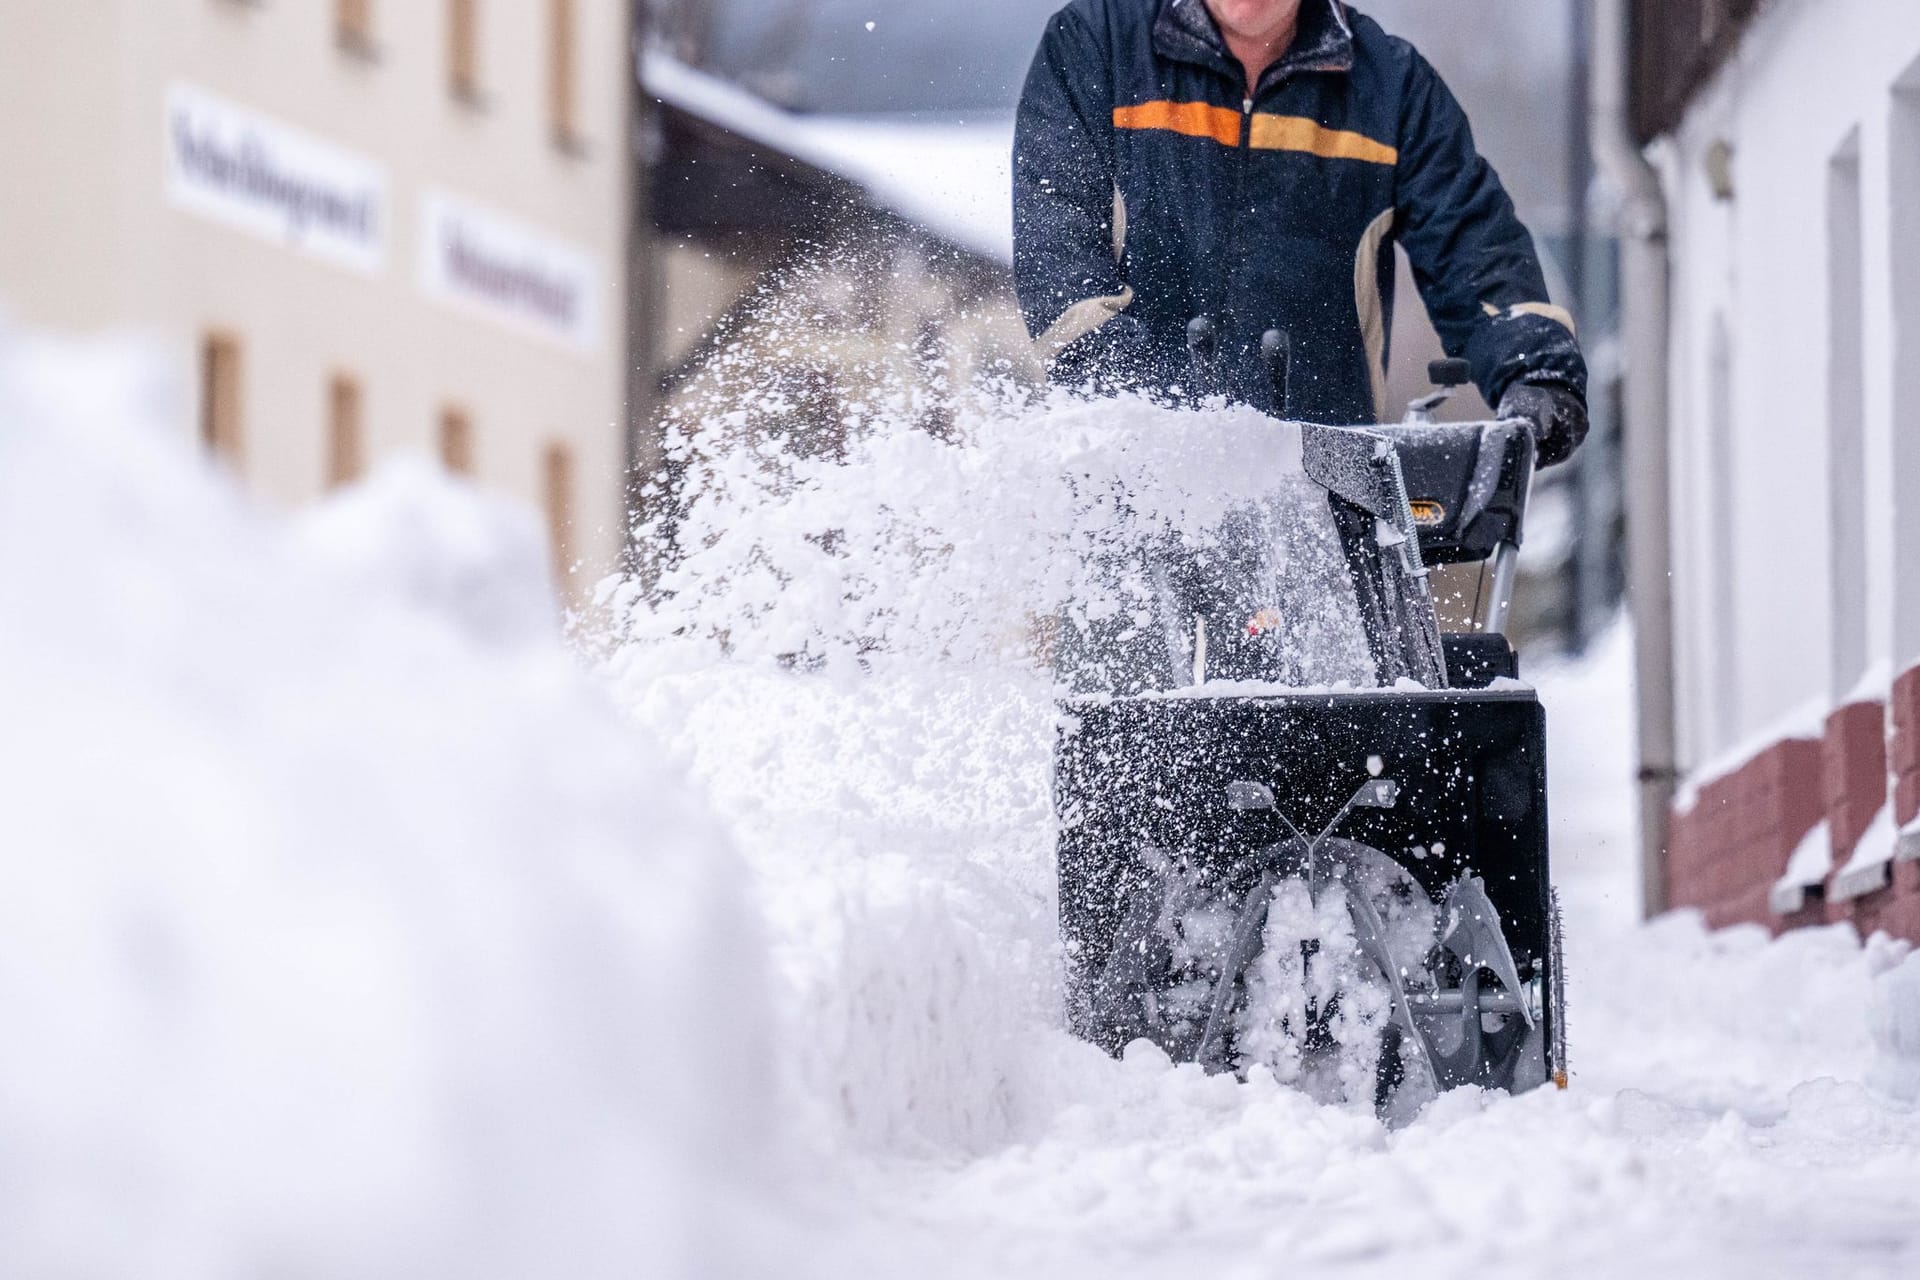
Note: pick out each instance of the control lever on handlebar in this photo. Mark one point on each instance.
(1276, 353)
(1203, 344)
(1447, 376)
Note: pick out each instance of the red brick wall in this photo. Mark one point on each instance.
(1906, 747)
(1854, 775)
(1726, 853)
(1853, 762)
(1896, 909)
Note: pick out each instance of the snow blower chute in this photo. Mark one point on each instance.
(1351, 887)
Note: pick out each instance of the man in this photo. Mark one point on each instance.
(1254, 162)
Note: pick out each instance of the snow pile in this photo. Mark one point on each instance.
(344, 930)
(1896, 1029)
(414, 537)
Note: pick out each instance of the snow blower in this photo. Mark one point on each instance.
(1348, 887)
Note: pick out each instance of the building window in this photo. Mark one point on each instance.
(1848, 552)
(346, 432)
(562, 85)
(556, 482)
(220, 392)
(456, 441)
(463, 49)
(1905, 198)
(353, 25)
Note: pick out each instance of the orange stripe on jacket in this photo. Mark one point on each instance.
(1268, 132)
(1296, 133)
(1194, 119)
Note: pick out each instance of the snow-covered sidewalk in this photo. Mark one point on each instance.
(1731, 1114)
(349, 928)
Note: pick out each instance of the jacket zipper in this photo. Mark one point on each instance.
(1229, 282)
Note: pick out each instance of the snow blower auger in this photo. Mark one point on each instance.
(1349, 888)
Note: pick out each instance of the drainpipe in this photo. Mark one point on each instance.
(1588, 469)
(1645, 330)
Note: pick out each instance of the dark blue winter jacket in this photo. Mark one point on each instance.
(1149, 189)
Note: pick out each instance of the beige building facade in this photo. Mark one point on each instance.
(359, 227)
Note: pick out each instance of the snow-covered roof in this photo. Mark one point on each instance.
(954, 179)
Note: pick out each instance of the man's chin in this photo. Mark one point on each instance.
(1263, 36)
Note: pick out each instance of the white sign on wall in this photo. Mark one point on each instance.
(233, 165)
(486, 262)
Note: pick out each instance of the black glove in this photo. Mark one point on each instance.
(1556, 413)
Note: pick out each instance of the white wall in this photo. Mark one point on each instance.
(1904, 276)
(1757, 651)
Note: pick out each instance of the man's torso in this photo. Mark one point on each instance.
(1273, 212)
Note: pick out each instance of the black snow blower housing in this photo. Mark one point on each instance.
(1350, 888)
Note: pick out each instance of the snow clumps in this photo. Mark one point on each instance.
(344, 929)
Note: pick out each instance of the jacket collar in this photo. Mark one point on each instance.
(1185, 31)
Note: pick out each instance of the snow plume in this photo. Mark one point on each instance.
(852, 644)
(870, 536)
(344, 929)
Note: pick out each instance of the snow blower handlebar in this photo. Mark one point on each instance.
(1466, 483)
(1407, 496)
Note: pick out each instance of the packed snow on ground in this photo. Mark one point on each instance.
(850, 659)
(345, 929)
(350, 928)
